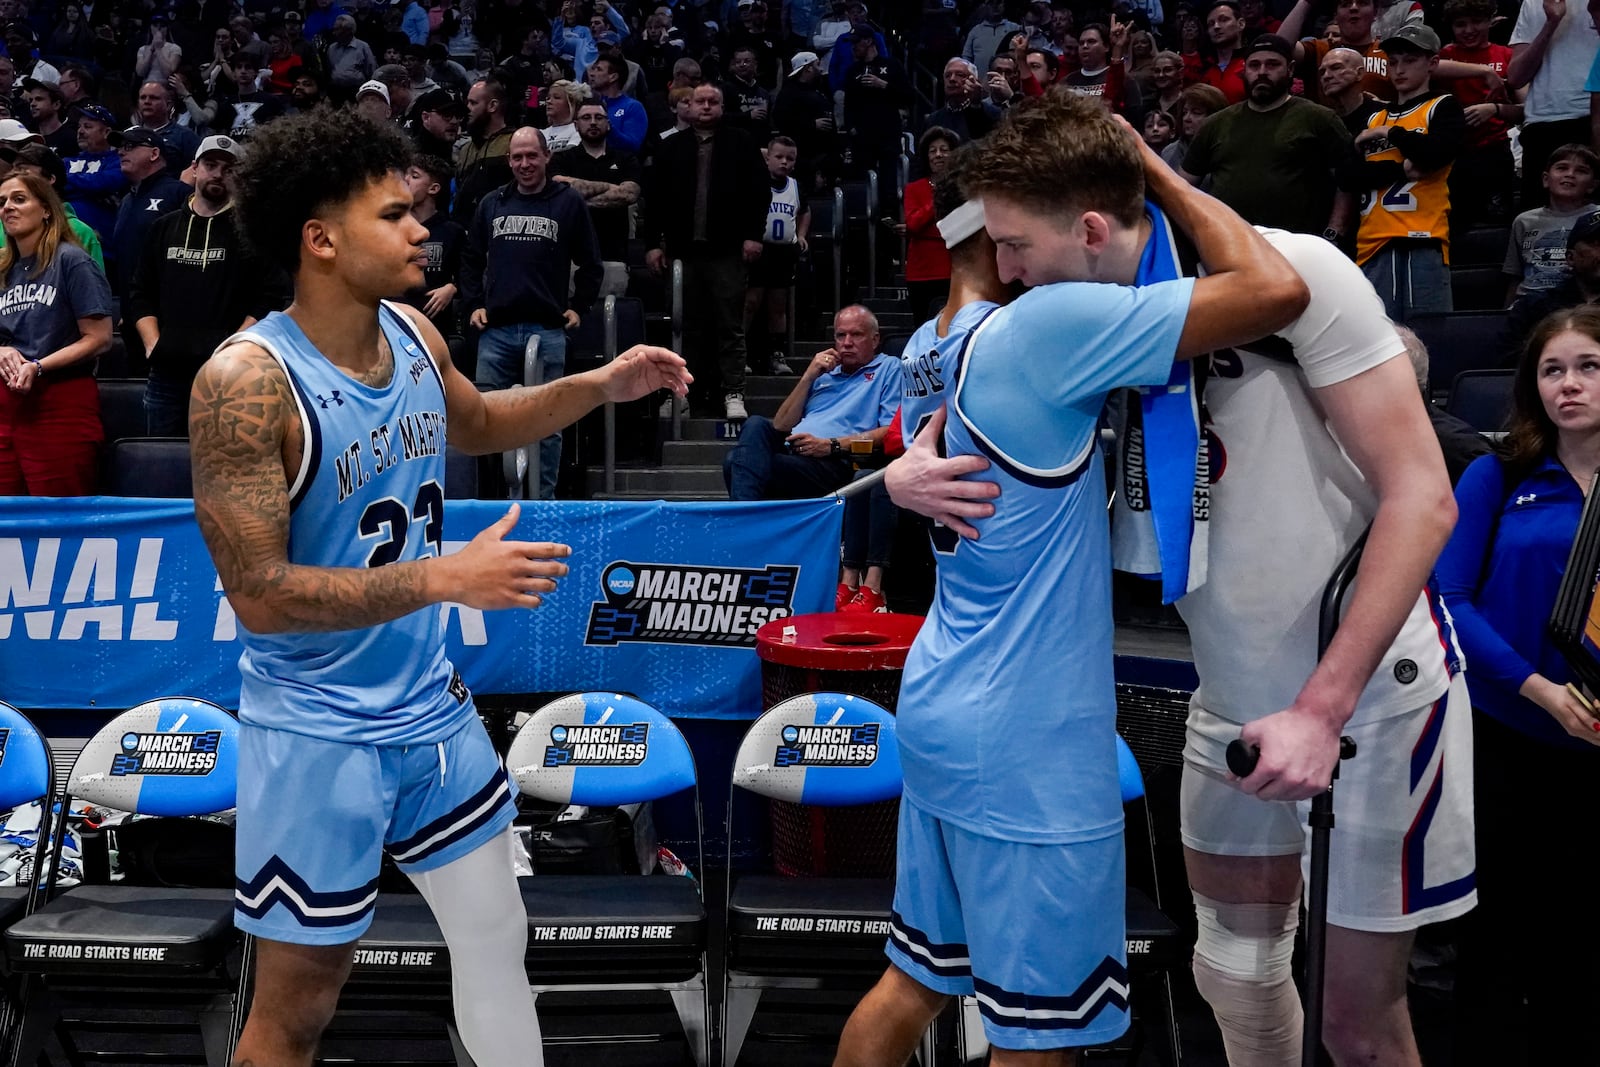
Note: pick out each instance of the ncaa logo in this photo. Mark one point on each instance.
(619, 581)
(130, 742)
(790, 734)
(558, 734)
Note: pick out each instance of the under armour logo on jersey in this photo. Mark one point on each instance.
(1527, 498)
(155, 203)
(335, 399)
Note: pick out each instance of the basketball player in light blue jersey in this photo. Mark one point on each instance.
(318, 441)
(1010, 868)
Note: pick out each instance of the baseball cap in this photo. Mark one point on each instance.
(14, 132)
(373, 86)
(49, 85)
(1271, 42)
(442, 101)
(96, 113)
(1414, 36)
(1587, 228)
(801, 61)
(220, 143)
(134, 137)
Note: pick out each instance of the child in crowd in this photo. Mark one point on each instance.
(1159, 130)
(1536, 255)
(429, 182)
(1484, 174)
(772, 275)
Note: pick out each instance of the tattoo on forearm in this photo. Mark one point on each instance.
(239, 416)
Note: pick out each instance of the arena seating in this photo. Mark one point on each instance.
(1481, 246)
(26, 777)
(1477, 288)
(149, 467)
(1482, 399)
(124, 961)
(806, 933)
(827, 236)
(122, 408)
(1460, 341)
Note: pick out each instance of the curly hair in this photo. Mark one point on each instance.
(303, 164)
(1061, 154)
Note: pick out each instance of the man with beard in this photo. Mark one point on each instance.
(1275, 158)
(608, 180)
(438, 123)
(309, 90)
(196, 285)
(965, 110)
(483, 164)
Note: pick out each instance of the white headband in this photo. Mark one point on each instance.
(961, 223)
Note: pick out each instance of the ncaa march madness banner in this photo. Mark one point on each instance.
(108, 602)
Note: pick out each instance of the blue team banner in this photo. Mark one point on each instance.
(108, 602)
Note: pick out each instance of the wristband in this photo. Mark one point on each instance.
(37, 366)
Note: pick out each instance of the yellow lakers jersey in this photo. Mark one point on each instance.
(1407, 208)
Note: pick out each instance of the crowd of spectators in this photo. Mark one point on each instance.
(699, 131)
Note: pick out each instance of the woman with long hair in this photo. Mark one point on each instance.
(55, 318)
(1522, 985)
(927, 262)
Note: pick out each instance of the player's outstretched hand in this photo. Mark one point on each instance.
(1299, 750)
(643, 369)
(928, 484)
(492, 573)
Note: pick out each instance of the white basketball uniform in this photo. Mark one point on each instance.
(1286, 505)
(783, 215)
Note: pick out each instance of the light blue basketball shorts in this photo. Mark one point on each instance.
(1035, 931)
(316, 816)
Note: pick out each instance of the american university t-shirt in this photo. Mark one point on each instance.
(39, 312)
(1007, 713)
(1287, 504)
(841, 404)
(369, 493)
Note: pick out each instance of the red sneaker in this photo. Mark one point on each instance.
(865, 602)
(843, 595)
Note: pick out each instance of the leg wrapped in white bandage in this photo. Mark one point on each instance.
(485, 924)
(1243, 968)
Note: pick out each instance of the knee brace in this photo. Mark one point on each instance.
(1242, 967)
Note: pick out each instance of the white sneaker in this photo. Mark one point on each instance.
(733, 406)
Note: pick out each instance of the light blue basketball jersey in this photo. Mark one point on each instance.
(927, 367)
(1007, 711)
(369, 492)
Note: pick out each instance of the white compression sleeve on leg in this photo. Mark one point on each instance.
(1243, 968)
(480, 911)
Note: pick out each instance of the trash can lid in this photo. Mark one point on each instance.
(839, 642)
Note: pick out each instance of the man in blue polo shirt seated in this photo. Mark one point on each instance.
(849, 393)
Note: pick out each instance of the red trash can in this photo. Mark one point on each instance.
(863, 655)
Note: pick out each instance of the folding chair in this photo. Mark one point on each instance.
(823, 934)
(1154, 945)
(26, 777)
(98, 960)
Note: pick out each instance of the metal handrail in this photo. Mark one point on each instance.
(609, 317)
(861, 485)
(677, 344)
(517, 463)
(872, 233)
(838, 248)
